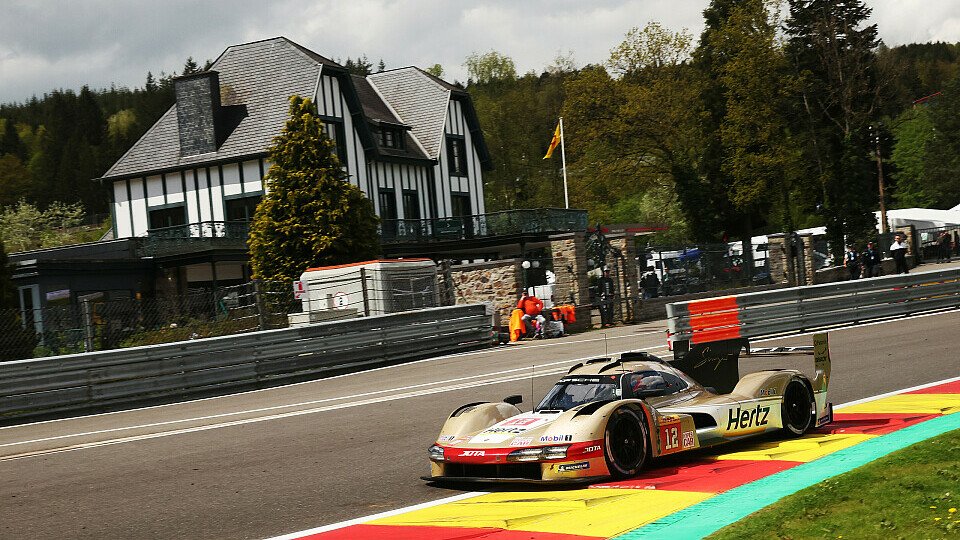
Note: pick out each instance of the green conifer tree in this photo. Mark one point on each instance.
(310, 216)
(10, 142)
(833, 51)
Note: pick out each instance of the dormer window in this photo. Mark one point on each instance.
(391, 138)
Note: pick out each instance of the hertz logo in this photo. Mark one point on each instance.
(742, 419)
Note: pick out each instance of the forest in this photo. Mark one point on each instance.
(770, 120)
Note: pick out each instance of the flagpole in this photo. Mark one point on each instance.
(563, 158)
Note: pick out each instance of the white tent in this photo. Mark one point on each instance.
(921, 218)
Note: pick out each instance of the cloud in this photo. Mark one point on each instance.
(65, 44)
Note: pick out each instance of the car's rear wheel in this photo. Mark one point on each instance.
(626, 444)
(797, 408)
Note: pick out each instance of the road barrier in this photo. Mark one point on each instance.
(799, 309)
(37, 387)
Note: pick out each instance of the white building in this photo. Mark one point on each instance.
(409, 140)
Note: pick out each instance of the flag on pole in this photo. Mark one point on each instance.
(553, 143)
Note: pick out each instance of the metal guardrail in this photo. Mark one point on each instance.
(30, 388)
(799, 309)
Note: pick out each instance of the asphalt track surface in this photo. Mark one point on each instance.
(270, 462)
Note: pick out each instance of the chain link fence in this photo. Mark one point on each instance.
(673, 270)
(938, 244)
(94, 324)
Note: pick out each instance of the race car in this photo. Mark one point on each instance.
(609, 417)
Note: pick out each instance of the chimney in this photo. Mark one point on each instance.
(198, 109)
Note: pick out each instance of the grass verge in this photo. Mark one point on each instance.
(912, 493)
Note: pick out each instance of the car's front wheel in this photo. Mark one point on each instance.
(797, 408)
(626, 443)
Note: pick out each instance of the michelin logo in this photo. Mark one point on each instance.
(574, 466)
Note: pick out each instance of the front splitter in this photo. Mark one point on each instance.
(531, 481)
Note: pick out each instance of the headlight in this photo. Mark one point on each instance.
(538, 454)
(436, 453)
(526, 454)
(555, 452)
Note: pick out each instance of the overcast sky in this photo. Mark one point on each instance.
(47, 44)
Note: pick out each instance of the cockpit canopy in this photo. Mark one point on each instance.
(575, 390)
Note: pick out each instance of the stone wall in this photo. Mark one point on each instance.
(629, 300)
(776, 260)
(569, 253)
(497, 282)
(500, 282)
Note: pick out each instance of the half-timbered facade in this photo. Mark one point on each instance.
(408, 140)
(183, 195)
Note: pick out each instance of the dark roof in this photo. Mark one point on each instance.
(316, 57)
(421, 100)
(418, 101)
(259, 76)
(373, 106)
(378, 112)
(441, 82)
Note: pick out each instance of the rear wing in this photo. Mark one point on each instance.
(821, 362)
(717, 364)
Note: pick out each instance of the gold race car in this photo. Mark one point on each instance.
(608, 417)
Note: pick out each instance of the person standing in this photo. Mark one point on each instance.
(852, 261)
(606, 290)
(898, 250)
(651, 285)
(872, 265)
(944, 254)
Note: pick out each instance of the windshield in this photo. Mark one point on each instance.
(569, 393)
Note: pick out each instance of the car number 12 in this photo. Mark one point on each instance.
(670, 438)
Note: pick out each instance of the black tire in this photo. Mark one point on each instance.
(796, 411)
(626, 443)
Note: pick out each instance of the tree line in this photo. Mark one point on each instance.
(771, 121)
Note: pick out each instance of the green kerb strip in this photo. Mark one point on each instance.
(728, 507)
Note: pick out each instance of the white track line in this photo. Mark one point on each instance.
(276, 416)
(499, 377)
(354, 374)
(360, 520)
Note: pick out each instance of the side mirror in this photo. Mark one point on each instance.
(513, 400)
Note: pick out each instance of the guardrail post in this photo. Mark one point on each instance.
(258, 299)
(87, 325)
(363, 289)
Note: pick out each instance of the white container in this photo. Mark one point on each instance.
(372, 287)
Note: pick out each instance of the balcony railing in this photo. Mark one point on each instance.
(193, 237)
(497, 224)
